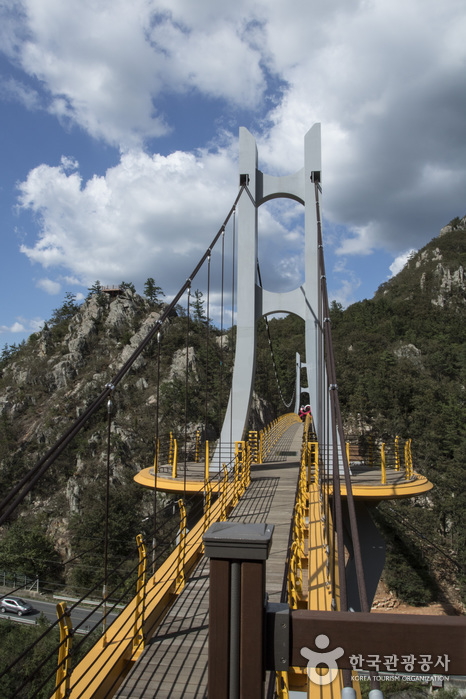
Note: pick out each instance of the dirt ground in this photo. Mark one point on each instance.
(386, 602)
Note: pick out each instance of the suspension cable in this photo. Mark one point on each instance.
(107, 512)
(221, 345)
(156, 459)
(337, 428)
(287, 405)
(25, 485)
(233, 257)
(186, 386)
(207, 348)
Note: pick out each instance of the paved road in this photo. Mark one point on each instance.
(79, 616)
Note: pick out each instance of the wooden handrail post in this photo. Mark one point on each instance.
(237, 553)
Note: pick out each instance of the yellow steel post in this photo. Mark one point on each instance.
(224, 492)
(397, 453)
(62, 682)
(242, 453)
(248, 465)
(207, 463)
(180, 579)
(383, 464)
(138, 636)
(156, 456)
(170, 450)
(236, 480)
(283, 685)
(196, 456)
(407, 469)
(252, 438)
(175, 459)
(315, 448)
(410, 458)
(208, 500)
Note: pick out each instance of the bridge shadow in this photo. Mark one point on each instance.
(256, 503)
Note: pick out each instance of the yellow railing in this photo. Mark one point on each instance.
(270, 435)
(409, 471)
(62, 683)
(383, 464)
(97, 675)
(389, 457)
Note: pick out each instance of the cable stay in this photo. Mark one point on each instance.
(17, 494)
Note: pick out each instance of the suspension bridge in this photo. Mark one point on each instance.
(273, 559)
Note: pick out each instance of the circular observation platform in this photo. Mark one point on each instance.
(367, 484)
(194, 482)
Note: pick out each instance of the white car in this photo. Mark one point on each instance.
(15, 605)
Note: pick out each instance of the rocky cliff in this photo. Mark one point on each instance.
(49, 381)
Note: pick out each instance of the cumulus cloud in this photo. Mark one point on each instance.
(345, 293)
(386, 79)
(148, 216)
(400, 261)
(105, 65)
(23, 325)
(15, 328)
(49, 286)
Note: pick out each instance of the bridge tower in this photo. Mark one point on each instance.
(253, 301)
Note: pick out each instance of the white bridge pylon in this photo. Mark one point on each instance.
(253, 301)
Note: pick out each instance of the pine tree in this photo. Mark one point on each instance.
(152, 291)
(198, 307)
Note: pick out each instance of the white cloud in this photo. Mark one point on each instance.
(49, 286)
(386, 79)
(104, 65)
(35, 324)
(148, 216)
(16, 91)
(400, 261)
(346, 292)
(22, 325)
(387, 82)
(15, 328)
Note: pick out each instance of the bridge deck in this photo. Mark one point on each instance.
(174, 662)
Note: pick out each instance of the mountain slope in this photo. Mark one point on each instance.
(401, 367)
(49, 381)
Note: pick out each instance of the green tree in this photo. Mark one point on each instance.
(128, 285)
(6, 352)
(66, 310)
(27, 550)
(152, 291)
(95, 289)
(16, 638)
(198, 307)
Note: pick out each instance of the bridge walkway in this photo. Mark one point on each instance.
(174, 662)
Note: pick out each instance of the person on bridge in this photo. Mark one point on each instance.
(303, 411)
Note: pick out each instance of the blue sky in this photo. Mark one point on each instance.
(119, 137)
